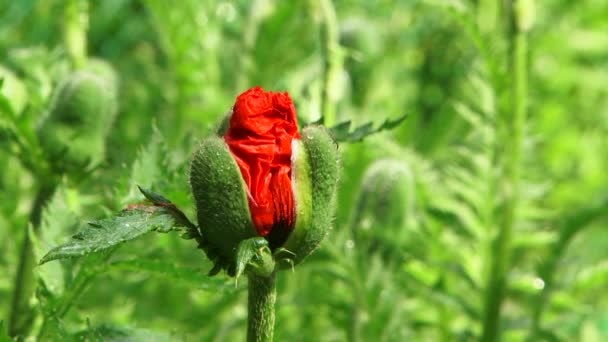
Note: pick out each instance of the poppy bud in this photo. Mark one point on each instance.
(264, 179)
(385, 206)
(79, 118)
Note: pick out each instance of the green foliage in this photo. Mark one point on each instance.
(423, 269)
(99, 236)
(342, 133)
(116, 334)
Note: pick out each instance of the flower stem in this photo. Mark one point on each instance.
(332, 61)
(248, 38)
(262, 296)
(76, 22)
(20, 315)
(513, 136)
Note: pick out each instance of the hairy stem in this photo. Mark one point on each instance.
(513, 136)
(76, 22)
(262, 296)
(20, 318)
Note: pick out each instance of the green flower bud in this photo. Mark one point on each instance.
(265, 194)
(385, 206)
(81, 113)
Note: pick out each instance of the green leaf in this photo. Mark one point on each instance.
(342, 132)
(189, 276)
(101, 235)
(161, 201)
(58, 221)
(108, 333)
(149, 169)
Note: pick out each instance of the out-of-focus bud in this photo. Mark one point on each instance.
(525, 12)
(80, 116)
(385, 206)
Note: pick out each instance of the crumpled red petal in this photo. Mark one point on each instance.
(262, 128)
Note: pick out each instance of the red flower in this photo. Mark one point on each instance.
(262, 129)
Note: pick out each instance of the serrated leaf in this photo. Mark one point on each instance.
(150, 167)
(101, 235)
(161, 201)
(58, 221)
(189, 276)
(342, 133)
(108, 333)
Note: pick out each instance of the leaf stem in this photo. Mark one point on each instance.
(20, 318)
(513, 136)
(262, 296)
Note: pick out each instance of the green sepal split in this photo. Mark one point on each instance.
(73, 131)
(221, 200)
(316, 171)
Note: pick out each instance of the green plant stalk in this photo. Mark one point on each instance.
(67, 301)
(81, 281)
(570, 226)
(249, 36)
(75, 31)
(261, 298)
(513, 136)
(20, 317)
(332, 61)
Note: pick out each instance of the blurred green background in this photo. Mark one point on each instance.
(420, 206)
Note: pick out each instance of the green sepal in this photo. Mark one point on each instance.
(224, 124)
(255, 256)
(221, 201)
(73, 131)
(316, 172)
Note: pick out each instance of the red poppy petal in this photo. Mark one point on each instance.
(262, 127)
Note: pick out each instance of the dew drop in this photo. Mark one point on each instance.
(538, 283)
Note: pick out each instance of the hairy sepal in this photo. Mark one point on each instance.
(316, 172)
(221, 201)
